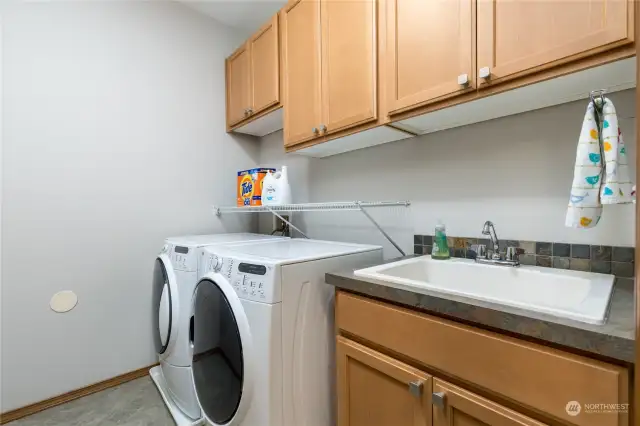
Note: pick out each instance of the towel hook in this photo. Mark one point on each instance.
(594, 97)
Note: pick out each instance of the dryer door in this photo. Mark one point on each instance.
(163, 293)
(221, 344)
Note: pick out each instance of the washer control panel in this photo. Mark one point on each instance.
(250, 280)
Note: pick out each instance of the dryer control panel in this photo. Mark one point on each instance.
(183, 258)
(251, 281)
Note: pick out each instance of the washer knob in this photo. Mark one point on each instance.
(216, 263)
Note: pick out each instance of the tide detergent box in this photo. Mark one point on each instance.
(250, 186)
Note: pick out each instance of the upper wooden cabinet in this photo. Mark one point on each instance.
(520, 37)
(238, 85)
(430, 51)
(330, 78)
(356, 73)
(253, 75)
(374, 389)
(265, 66)
(301, 54)
(349, 65)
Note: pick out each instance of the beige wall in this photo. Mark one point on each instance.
(114, 139)
(515, 171)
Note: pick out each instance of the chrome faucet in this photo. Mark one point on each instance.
(490, 230)
(511, 258)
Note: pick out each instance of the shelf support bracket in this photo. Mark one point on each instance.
(379, 228)
(287, 222)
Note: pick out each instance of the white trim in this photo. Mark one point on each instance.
(175, 306)
(246, 341)
(164, 314)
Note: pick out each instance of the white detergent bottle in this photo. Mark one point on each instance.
(275, 188)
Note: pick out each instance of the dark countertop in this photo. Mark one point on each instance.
(615, 339)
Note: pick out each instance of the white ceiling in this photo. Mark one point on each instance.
(244, 15)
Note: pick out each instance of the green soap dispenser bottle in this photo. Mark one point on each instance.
(440, 249)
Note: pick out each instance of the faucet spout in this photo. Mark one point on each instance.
(490, 230)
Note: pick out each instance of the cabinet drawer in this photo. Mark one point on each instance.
(542, 378)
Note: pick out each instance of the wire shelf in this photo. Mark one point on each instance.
(361, 206)
(311, 207)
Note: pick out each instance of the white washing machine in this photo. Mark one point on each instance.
(262, 333)
(174, 279)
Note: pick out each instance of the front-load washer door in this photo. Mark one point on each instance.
(222, 351)
(164, 292)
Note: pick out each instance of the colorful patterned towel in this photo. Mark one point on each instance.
(595, 184)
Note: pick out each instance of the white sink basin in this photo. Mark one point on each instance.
(580, 296)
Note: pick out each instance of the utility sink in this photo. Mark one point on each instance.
(580, 296)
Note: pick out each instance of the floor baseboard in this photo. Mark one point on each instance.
(28, 410)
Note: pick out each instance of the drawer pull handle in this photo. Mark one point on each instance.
(416, 388)
(438, 399)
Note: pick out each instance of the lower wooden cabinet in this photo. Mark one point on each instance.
(458, 407)
(539, 383)
(377, 390)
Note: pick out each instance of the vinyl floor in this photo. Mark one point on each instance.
(136, 403)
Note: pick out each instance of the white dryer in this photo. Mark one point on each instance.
(262, 336)
(174, 279)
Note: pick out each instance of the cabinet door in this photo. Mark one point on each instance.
(265, 66)
(349, 64)
(518, 37)
(376, 390)
(430, 45)
(238, 85)
(454, 406)
(301, 50)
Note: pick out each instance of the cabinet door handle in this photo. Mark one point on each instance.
(323, 128)
(415, 388)
(438, 399)
(250, 110)
(485, 73)
(463, 79)
(315, 130)
(246, 112)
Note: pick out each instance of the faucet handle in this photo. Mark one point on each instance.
(480, 251)
(513, 253)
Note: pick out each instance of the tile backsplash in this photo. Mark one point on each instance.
(618, 261)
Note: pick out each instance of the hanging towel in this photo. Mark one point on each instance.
(601, 174)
